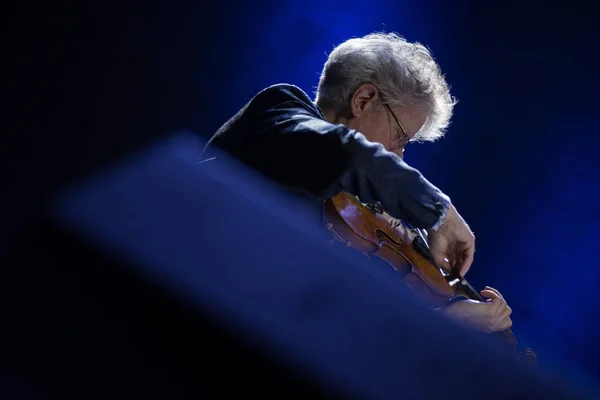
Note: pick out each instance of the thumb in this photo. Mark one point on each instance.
(438, 246)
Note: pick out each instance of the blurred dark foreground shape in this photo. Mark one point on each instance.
(166, 278)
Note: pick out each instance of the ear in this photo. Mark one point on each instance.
(364, 97)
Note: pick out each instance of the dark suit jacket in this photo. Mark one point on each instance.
(282, 133)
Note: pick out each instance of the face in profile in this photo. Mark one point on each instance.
(391, 126)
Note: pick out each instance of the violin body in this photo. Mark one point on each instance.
(370, 230)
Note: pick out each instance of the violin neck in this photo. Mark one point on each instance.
(464, 287)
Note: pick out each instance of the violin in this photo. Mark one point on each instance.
(372, 231)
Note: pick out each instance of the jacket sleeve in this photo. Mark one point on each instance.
(296, 148)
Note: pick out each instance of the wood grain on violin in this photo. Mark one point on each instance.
(370, 230)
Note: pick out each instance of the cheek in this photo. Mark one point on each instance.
(374, 133)
(381, 136)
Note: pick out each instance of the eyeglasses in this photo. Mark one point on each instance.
(404, 139)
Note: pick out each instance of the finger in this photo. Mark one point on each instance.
(504, 313)
(442, 262)
(499, 300)
(500, 321)
(489, 294)
(466, 261)
(505, 324)
(488, 310)
(497, 306)
(494, 290)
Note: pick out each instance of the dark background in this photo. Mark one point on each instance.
(88, 83)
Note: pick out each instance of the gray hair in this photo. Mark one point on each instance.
(405, 74)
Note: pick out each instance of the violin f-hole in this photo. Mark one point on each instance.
(381, 234)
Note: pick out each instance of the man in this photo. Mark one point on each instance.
(375, 95)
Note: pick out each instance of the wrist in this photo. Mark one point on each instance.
(445, 210)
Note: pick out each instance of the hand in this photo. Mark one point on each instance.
(490, 316)
(453, 244)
